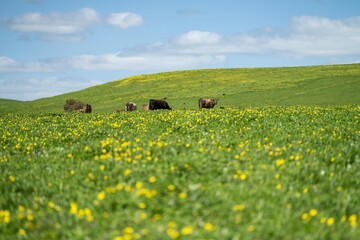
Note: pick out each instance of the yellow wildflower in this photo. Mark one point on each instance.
(187, 230)
(101, 196)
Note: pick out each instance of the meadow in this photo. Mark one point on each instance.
(285, 172)
(235, 87)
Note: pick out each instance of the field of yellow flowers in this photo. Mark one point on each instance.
(251, 173)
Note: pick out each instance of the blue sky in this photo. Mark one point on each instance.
(50, 47)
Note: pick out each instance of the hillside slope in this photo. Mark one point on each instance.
(240, 87)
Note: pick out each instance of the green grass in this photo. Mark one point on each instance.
(240, 87)
(236, 173)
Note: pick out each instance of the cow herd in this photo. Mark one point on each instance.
(155, 104)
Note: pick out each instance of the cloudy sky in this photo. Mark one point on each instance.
(50, 47)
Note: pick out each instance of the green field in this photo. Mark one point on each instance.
(238, 87)
(279, 160)
(234, 173)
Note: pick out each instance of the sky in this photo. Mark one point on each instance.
(51, 47)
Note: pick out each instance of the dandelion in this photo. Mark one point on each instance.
(152, 179)
(73, 208)
(127, 172)
(101, 196)
(353, 220)
(209, 227)
(22, 232)
(243, 176)
(305, 216)
(182, 195)
(330, 221)
(187, 230)
(128, 230)
(239, 207)
(5, 216)
(280, 162)
(171, 187)
(12, 179)
(142, 205)
(172, 233)
(313, 212)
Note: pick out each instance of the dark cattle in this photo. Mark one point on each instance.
(207, 103)
(158, 104)
(130, 106)
(86, 108)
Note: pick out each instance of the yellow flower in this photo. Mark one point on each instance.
(353, 220)
(171, 187)
(172, 233)
(280, 162)
(209, 227)
(152, 179)
(182, 195)
(73, 208)
(242, 176)
(128, 230)
(101, 196)
(12, 178)
(22, 232)
(305, 216)
(330, 221)
(5, 216)
(187, 230)
(142, 205)
(238, 207)
(313, 212)
(127, 172)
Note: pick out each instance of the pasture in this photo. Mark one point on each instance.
(235, 173)
(234, 87)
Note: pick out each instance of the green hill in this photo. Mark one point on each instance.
(236, 87)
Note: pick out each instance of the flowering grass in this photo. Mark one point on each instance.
(250, 173)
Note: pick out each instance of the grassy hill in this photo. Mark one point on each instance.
(240, 87)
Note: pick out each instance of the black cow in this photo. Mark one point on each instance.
(158, 104)
(130, 106)
(207, 103)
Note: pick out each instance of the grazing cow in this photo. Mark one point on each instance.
(158, 104)
(85, 109)
(130, 106)
(207, 103)
(145, 107)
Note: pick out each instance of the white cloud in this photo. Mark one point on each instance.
(198, 38)
(125, 19)
(35, 88)
(54, 23)
(67, 26)
(308, 37)
(118, 61)
(10, 65)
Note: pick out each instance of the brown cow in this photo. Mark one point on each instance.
(207, 103)
(145, 107)
(85, 109)
(130, 106)
(158, 104)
